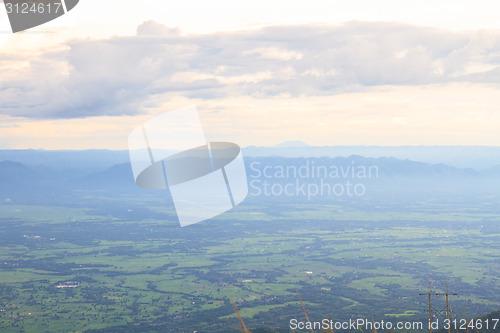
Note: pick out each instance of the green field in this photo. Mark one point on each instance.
(143, 274)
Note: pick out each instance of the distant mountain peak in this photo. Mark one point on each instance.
(288, 144)
(12, 164)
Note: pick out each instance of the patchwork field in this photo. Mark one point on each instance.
(77, 270)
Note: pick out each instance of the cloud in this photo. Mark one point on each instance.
(121, 75)
(155, 28)
(9, 125)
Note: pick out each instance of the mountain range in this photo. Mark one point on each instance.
(41, 176)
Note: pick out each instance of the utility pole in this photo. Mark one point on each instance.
(430, 309)
(430, 294)
(466, 315)
(448, 308)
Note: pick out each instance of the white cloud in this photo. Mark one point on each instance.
(435, 114)
(121, 75)
(275, 53)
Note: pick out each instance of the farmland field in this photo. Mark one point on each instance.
(137, 273)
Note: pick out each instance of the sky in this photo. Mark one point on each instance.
(260, 73)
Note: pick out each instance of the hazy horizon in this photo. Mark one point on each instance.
(281, 147)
